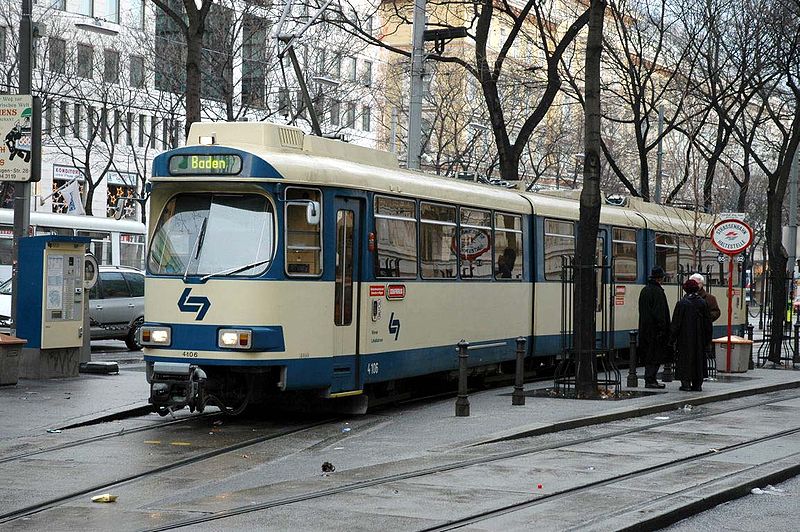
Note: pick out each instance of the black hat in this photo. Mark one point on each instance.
(657, 272)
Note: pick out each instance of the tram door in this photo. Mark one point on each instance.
(345, 314)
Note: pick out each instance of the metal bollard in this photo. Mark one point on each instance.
(518, 397)
(633, 378)
(462, 403)
(796, 343)
(751, 364)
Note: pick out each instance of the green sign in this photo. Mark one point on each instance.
(215, 164)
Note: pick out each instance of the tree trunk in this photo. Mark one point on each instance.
(777, 267)
(194, 57)
(584, 280)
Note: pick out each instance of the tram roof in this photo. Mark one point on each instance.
(302, 158)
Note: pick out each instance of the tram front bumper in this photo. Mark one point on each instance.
(174, 386)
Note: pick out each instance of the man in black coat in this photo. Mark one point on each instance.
(691, 334)
(653, 327)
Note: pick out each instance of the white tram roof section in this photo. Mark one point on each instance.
(302, 158)
(316, 160)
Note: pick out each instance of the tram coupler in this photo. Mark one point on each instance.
(174, 386)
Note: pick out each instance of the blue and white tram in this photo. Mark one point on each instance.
(283, 262)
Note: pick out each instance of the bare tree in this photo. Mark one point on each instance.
(589, 221)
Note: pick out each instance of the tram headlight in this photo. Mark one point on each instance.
(235, 338)
(155, 335)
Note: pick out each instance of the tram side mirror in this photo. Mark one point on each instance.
(312, 213)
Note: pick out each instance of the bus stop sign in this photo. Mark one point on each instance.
(731, 236)
(16, 130)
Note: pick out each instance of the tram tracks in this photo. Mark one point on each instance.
(192, 460)
(495, 457)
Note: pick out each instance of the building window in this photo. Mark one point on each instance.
(112, 11)
(283, 101)
(48, 118)
(350, 115)
(366, 119)
(76, 120)
(366, 75)
(141, 130)
(303, 240)
(129, 129)
(254, 38)
(437, 256)
(61, 176)
(623, 249)
(63, 119)
(137, 14)
(90, 116)
(336, 69)
(559, 242)
(86, 7)
(137, 72)
(58, 55)
(164, 134)
(103, 123)
(3, 44)
(85, 61)
(153, 124)
(115, 131)
(475, 244)
(352, 68)
(369, 25)
(111, 70)
(667, 255)
(335, 112)
(395, 238)
(508, 246)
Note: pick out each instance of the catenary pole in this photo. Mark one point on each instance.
(414, 149)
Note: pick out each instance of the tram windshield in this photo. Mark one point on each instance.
(202, 234)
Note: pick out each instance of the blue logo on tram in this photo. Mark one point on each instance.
(199, 304)
(394, 326)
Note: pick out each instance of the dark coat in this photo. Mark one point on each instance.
(691, 334)
(713, 306)
(653, 325)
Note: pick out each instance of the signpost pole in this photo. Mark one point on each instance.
(730, 311)
(22, 189)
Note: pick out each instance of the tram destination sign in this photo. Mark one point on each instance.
(16, 126)
(731, 236)
(205, 164)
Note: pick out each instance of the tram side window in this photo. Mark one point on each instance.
(131, 250)
(623, 249)
(303, 240)
(508, 246)
(689, 249)
(437, 252)
(395, 238)
(559, 241)
(476, 244)
(100, 245)
(6, 242)
(667, 255)
(44, 230)
(716, 273)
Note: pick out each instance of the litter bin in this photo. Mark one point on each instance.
(741, 349)
(10, 355)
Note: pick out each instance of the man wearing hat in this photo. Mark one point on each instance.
(654, 331)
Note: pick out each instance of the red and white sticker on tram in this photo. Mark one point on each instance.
(396, 292)
(731, 236)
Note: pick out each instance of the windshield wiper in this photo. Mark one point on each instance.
(198, 243)
(235, 269)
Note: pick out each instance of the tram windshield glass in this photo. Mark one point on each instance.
(213, 234)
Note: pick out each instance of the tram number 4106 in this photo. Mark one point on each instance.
(372, 368)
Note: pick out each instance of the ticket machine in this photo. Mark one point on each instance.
(50, 306)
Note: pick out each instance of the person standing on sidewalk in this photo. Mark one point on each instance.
(691, 334)
(653, 327)
(713, 309)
